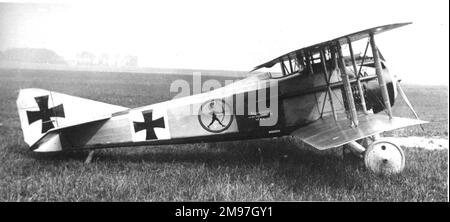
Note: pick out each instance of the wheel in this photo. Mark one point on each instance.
(384, 158)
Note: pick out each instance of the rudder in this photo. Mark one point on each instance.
(41, 111)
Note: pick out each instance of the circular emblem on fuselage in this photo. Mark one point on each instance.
(215, 115)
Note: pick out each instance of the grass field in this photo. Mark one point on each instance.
(255, 170)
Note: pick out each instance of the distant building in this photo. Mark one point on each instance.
(85, 58)
(131, 61)
(104, 59)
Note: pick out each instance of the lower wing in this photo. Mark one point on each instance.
(327, 133)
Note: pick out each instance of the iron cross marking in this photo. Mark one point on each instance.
(149, 125)
(45, 113)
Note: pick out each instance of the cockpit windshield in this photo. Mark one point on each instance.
(284, 68)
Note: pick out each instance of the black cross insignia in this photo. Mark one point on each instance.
(149, 124)
(45, 113)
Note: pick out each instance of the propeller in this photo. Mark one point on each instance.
(403, 95)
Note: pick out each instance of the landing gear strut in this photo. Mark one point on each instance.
(89, 157)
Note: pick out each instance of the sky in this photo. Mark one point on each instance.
(232, 34)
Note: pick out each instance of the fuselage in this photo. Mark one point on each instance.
(261, 105)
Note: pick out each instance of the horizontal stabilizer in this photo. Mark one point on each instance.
(327, 133)
(42, 111)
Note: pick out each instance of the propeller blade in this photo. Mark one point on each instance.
(402, 93)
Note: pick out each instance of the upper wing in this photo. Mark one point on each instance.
(327, 133)
(342, 40)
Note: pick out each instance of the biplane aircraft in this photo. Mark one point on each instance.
(318, 94)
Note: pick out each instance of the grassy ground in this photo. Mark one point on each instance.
(431, 104)
(255, 170)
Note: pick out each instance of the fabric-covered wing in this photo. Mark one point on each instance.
(342, 40)
(326, 133)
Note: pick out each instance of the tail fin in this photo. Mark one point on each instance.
(40, 111)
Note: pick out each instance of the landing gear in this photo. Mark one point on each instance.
(89, 157)
(381, 157)
(352, 158)
(384, 158)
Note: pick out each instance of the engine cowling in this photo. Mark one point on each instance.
(373, 96)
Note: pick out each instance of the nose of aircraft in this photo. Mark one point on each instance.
(374, 96)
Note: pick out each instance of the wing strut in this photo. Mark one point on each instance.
(358, 83)
(327, 79)
(379, 72)
(347, 87)
(363, 59)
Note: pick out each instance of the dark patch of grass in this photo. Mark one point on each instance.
(254, 170)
